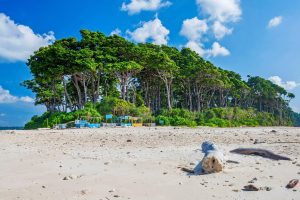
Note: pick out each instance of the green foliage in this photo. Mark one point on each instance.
(176, 117)
(179, 86)
(118, 107)
(217, 122)
(180, 121)
(37, 122)
(218, 117)
(115, 106)
(234, 117)
(143, 112)
(92, 112)
(88, 111)
(48, 120)
(162, 120)
(296, 119)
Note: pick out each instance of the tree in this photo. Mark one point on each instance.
(125, 72)
(71, 74)
(165, 68)
(124, 57)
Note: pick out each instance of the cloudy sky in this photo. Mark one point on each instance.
(251, 37)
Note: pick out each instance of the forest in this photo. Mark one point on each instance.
(101, 74)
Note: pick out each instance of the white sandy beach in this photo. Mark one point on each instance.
(142, 164)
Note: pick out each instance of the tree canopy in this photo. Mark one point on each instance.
(71, 73)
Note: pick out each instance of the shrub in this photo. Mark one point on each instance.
(113, 105)
(235, 116)
(215, 117)
(48, 120)
(219, 122)
(210, 114)
(162, 120)
(118, 107)
(177, 117)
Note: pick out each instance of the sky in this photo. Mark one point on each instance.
(251, 37)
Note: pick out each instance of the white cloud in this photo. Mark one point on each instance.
(152, 30)
(18, 42)
(6, 97)
(219, 13)
(2, 114)
(276, 21)
(26, 99)
(136, 6)
(288, 85)
(220, 30)
(221, 10)
(116, 32)
(193, 29)
(217, 50)
(197, 47)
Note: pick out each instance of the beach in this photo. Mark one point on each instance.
(144, 164)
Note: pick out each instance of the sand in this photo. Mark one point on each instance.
(142, 164)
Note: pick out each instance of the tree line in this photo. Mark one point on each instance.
(71, 73)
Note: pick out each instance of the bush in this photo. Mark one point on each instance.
(118, 107)
(215, 117)
(184, 113)
(179, 121)
(219, 122)
(162, 120)
(37, 122)
(235, 117)
(114, 105)
(48, 120)
(209, 114)
(296, 119)
(176, 117)
(92, 113)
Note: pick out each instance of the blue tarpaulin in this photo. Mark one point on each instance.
(109, 116)
(81, 123)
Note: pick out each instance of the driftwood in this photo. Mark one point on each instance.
(292, 183)
(250, 188)
(232, 161)
(282, 142)
(279, 142)
(259, 152)
(213, 160)
(191, 171)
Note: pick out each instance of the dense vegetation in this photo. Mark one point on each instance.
(93, 113)
(296, 119)
(108, 74)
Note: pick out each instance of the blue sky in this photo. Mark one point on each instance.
(252, 37)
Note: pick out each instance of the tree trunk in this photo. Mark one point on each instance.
(84, 88)
(190, 98)
(67, 96)
(159, 98)
(78, 91)
(97, 87)
(123, 81)
(210, 99)
(198, 100)
(168, 88)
